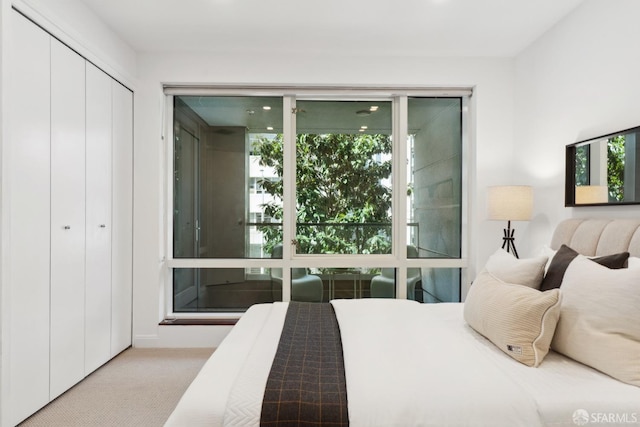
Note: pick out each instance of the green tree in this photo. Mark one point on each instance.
(582, 165)
(343, 205)
(615, 168)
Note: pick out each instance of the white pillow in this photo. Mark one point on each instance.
(519, 320)
(633, 262)
(549, 253)
(506, 267)
(599, 321)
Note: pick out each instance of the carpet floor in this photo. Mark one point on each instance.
(140, 387)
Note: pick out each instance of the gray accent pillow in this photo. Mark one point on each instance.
(564, 256)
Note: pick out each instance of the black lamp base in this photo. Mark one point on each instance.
(508, 243)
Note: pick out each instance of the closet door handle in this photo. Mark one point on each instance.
(67, 227)
(103, 225)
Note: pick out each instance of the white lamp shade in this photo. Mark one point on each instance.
(510, 202)
(586, 194)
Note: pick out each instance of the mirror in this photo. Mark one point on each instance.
(603, 171)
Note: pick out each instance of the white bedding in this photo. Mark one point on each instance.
(407, 364)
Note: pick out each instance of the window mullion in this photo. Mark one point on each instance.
(289, 192)
(399, 206)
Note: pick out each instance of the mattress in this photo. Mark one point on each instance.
(408, 364)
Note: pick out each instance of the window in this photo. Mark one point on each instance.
(301, 197)
(343, 177)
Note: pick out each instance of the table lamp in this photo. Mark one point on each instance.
(510, 203)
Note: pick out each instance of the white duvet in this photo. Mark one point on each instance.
(407, 364)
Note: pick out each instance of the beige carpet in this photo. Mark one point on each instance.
(140, 387)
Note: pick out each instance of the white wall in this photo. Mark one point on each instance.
(579, 80)
(492, 128)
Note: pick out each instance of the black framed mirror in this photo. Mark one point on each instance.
(604, 170)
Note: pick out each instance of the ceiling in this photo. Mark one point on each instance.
(487, 28)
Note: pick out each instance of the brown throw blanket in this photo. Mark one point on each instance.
(306, 385)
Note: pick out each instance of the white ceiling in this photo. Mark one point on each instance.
(494, 28)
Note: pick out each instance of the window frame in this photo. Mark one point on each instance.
(397, 259)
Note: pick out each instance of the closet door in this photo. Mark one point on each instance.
(67, 217)
(98, 228)
(122, 240)
(28, 214)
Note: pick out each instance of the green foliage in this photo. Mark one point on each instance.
(342, 204)
(582, 165)
(615, 168)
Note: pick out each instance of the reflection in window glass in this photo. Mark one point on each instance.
(328, 283)
(427, 285)
(223, 199)
(221, 289)
(440, 285)
(435, 177)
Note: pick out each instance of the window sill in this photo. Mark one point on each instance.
(190, 322)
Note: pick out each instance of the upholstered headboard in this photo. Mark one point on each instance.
(592, 236)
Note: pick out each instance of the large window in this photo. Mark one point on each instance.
(314, 197)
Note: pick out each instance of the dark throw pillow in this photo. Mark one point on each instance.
(564, 256)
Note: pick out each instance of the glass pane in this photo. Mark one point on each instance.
(435, 177)
(222, 289)
(383, 285)
(439, 285)
(324, 284)
(227, 176)
(343, 177)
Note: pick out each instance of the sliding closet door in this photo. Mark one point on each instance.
(98, 231)
(67, 217)
(122, 243)
(28, 208)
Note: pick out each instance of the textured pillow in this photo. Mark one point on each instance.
(519, 320)
(599, 321)
(564, 256)
(506, 267)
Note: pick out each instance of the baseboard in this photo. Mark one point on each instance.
(184, 336)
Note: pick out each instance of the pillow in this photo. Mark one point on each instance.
(564, 256)
(506, 267)
(599, 321)
(549, 253)
(519, 320)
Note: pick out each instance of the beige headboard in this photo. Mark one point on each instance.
(591, 236)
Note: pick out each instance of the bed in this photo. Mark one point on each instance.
(411, 364)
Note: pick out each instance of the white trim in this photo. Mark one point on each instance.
(289, 192)
(371, 261)
(315, 91)
(6, 49)
(468, 166)
(166, 166)
(399, 179)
